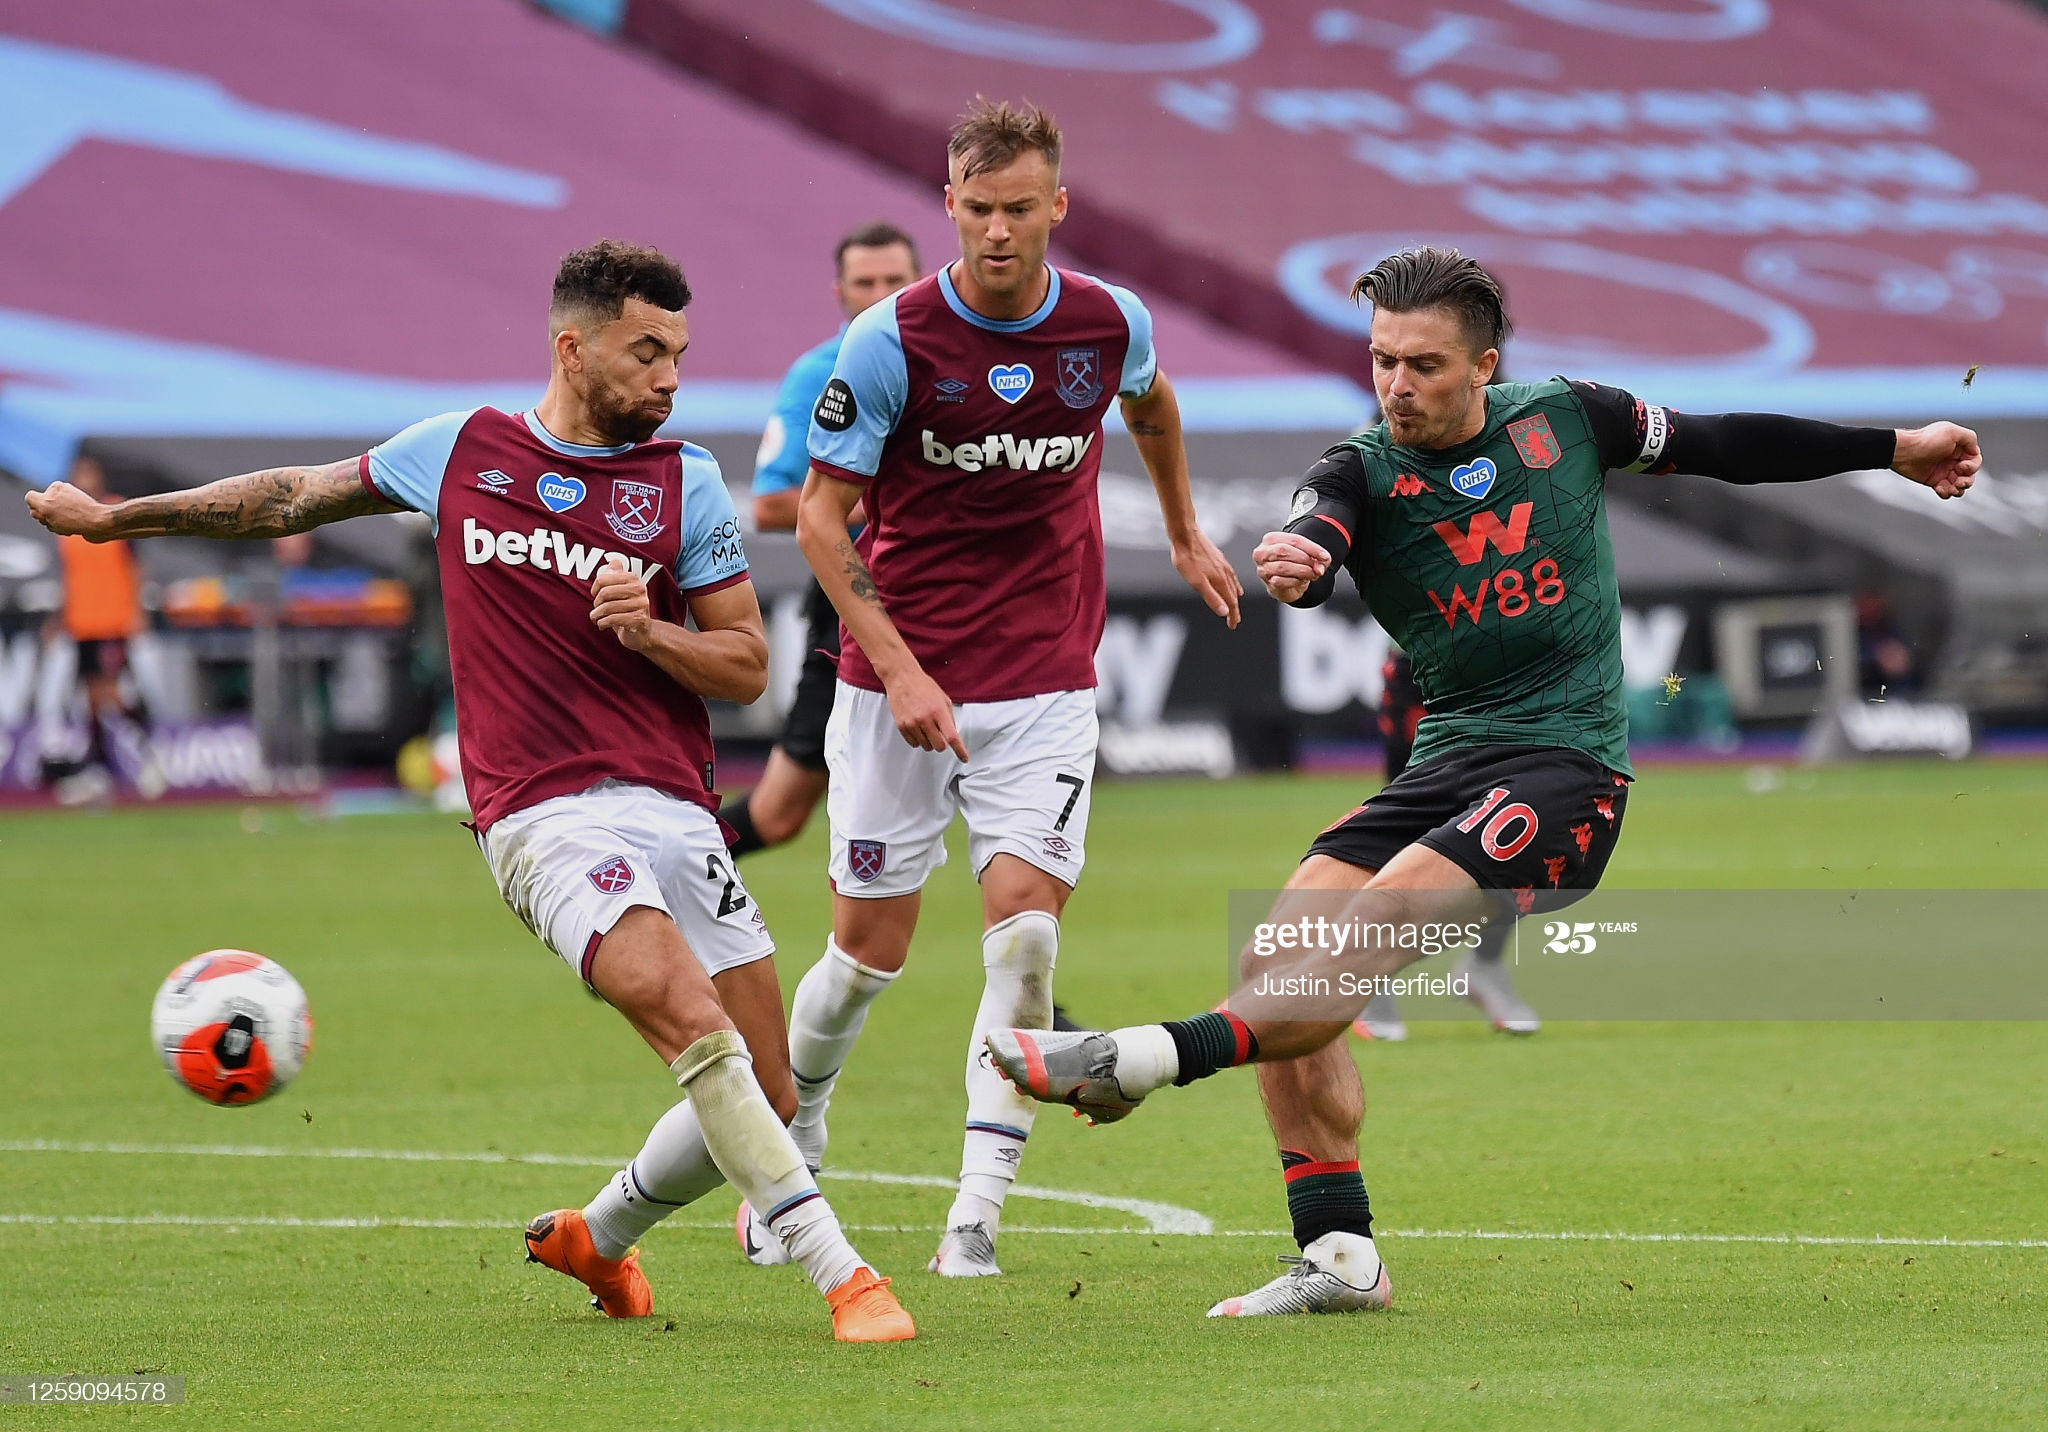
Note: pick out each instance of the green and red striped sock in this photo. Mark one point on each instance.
(1324, 1197)
(1209, 1042)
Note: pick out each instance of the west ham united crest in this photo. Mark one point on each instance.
(865, 859)
(635, 512)
(1080, 376)
(612, 876)
(1535, 441)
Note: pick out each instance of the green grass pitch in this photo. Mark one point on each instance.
(443, 1027)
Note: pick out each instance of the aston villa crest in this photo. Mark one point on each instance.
(1535, 441)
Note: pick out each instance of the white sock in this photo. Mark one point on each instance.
(1146, 1058)
(672, 1168)
(831, 1006)
(1017, 957)
(756, 1154)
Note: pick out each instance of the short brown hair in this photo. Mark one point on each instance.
(994, 134)
(1429, 277)
(598, 280)
(879, 235)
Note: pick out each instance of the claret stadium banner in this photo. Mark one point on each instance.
(1837, 208)
(233, 219)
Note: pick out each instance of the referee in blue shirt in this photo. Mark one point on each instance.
(871, 263)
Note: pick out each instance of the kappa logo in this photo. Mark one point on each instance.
(1010, 381)
(1410, 484)
(866, 858)
(494, 480)
(1475, 478)
(1080, 376)
(952, 390)
(612, 876)
(559, 493)
(636, 510)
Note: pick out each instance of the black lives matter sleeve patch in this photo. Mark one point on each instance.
(836, 408)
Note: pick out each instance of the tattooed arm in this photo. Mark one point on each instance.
(274, 503)
(923, 712)
(1154, 424)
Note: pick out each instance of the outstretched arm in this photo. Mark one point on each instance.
(273, 503)
(1748, 448)
(1154, 423)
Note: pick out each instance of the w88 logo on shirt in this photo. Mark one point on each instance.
(1512, 591)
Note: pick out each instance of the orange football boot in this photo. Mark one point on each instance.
(864, 1310)
(562, 1241)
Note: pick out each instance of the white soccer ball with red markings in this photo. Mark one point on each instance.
(232, 1026)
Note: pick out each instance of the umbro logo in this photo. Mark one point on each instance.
(1409, 484)
(494, 480)
(952, 390)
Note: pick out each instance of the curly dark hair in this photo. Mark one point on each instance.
(1429, 277)
(597, 281)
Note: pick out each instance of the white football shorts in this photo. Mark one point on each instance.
(1024, 789)
(570, 867)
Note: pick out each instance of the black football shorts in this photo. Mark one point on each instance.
(1517, 818)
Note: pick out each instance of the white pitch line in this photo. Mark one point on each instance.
(192, 1220)
(1159, 1217)
(1162, 1218)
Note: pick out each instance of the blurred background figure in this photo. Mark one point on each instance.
(102, 612)
(871, 262)
(1885, 663)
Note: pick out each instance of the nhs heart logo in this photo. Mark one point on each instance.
(1010, 381)
(1475, 478)
(559, 493)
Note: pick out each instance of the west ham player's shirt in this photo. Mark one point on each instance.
(546, 704)
(781, 463)
(977, 442)
(1489, 563)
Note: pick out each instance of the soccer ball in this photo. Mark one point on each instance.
(231, 1026)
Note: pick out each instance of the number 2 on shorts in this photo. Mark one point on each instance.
(729, 899)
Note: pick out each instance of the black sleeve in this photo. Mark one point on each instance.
(1634, 436)
(1329, 509)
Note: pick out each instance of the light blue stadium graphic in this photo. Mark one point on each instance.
(67, 380)
(87, 379)
(52, 97)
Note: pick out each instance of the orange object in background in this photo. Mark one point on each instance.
(102, 589)
(306, 599)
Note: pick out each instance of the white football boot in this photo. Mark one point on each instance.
(1381, 1020)
(757, 1239)
(1494, 992)
(966, 1252)
(1338, 1273)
